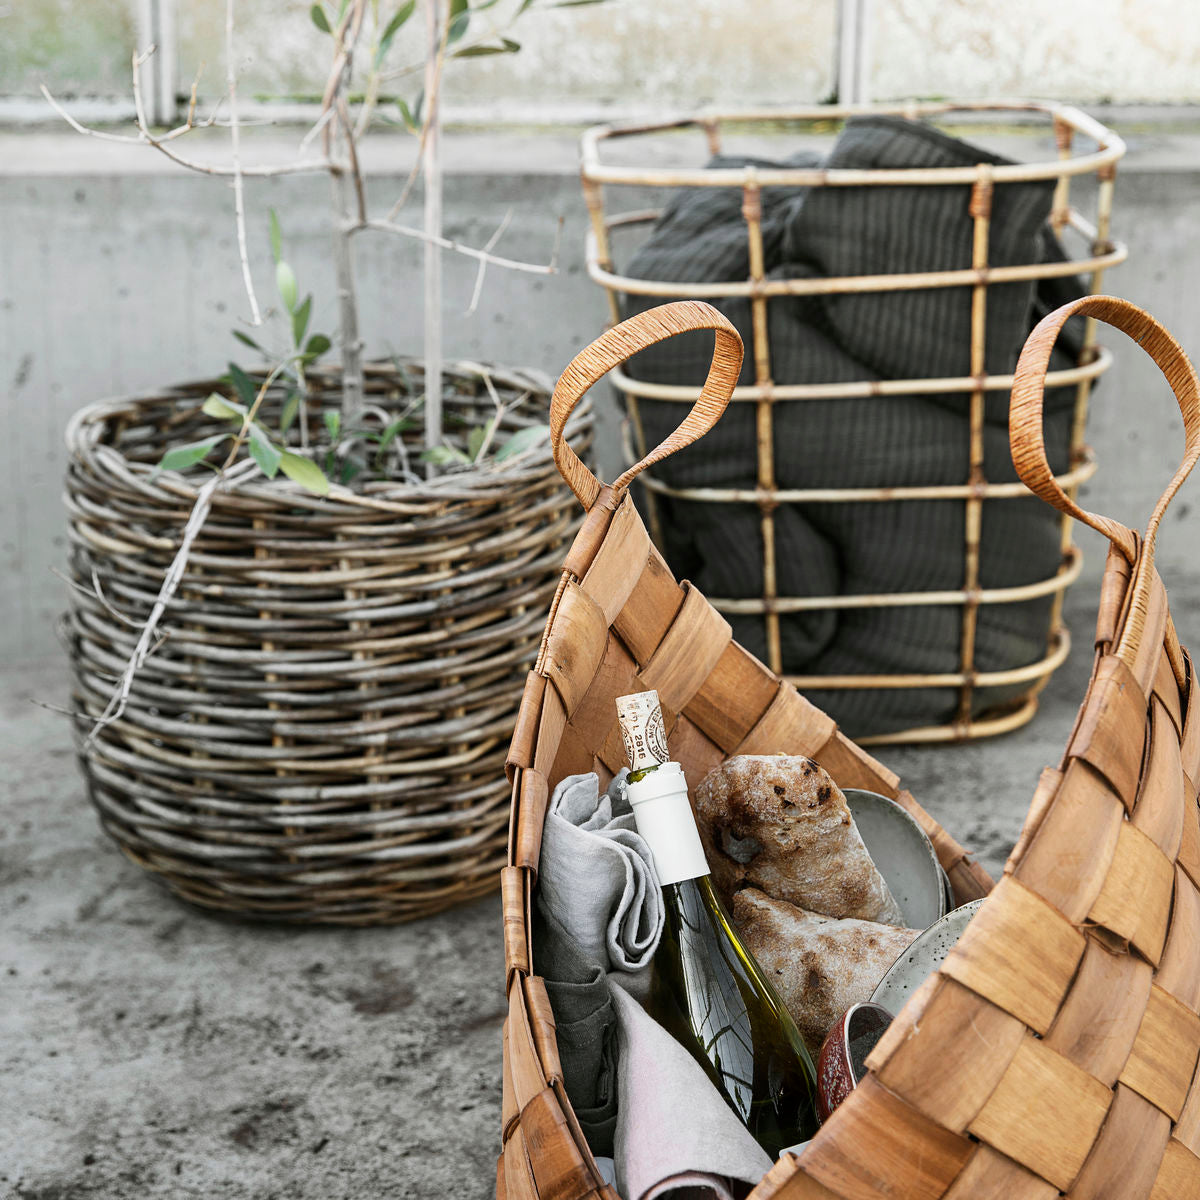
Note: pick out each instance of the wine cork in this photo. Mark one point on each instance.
(642, 730)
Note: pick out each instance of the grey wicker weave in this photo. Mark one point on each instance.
(321, 735)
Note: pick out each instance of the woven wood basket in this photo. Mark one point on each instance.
(1055, 1050)
(984, 696)
(320, 735)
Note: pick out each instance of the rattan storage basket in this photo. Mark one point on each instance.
(970, 634)
(320, 736)
(1055, 1050)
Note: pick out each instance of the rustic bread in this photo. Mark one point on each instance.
(780, 823)
(819, 965)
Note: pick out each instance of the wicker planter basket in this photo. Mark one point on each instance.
(320, 736)
(1055, 1050)
(968, 633)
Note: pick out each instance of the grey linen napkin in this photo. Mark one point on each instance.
(585, 1028)
(636, 1091)
(596, 874)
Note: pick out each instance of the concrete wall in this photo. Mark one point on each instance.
(626, 55)
(120, 274)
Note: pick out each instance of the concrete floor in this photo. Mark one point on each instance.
(150, 1050)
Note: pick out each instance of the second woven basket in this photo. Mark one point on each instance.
(1055, 1050)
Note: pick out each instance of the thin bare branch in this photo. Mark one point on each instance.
(360, 191)
(147, 643)
(494, 423)
(432, 93)
(95, 592)
(320, 123)
(239, 188)
(483, 266)
(445, 243)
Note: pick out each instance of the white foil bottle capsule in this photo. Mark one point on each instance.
(660, 798)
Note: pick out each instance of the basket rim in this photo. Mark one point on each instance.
(1111, 147)
(490, 481)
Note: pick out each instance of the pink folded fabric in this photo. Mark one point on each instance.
(676, 1138)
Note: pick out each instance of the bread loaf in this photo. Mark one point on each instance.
(780, 823)
(819, 965)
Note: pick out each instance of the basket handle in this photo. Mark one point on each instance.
(623, 341)
(1025, 412)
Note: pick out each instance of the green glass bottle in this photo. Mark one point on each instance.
(706, 989)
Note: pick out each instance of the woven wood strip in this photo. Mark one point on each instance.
(650, 609)
(1187, 1127)
(1112, 732)
(1045, 1113)
(1124, 1161)
(560, 1171)
(518, 1174)
(1086, 815)
(688, 652)
(734, 698)
(1156, 618)
(531, 804)
(1135, 901)
(1166, 688)
(575, 646)
(792, 722)
(884, 1147)
(1159, 808)
(1176, 1179)
(1177, 973)
(992, 957)
(991, 1176)
(618, 563)
(946, 1056)
(1102, 1013)
(1189, 750)
(1163, 1058)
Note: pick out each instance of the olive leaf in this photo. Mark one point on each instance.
(305, 472)
(225, 410)
(267, 456)
(385, 41)
(523, 439)
(179, 458)
(285, 282)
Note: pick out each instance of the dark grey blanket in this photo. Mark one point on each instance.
(867, 547)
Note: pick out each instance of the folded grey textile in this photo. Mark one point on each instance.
(599, 909)
(675, 1136)
(596, 874)
(870, 441)
(585, 1024)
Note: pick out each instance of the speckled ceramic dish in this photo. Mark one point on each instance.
(922, 958)
(903, 854)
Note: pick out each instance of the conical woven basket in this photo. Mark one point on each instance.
(1054, 1051)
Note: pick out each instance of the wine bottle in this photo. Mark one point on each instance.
(706, 989)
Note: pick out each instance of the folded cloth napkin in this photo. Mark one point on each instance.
(596, 874)
(585, 1028)
(675, 1136)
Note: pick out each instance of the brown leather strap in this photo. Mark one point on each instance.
(1029, 449)
(613, 348)
(1025, 412)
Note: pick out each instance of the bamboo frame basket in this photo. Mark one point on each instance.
(320, 737)
(1055, 1050)
(767, 395)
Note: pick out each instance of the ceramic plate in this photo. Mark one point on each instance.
(903, 854)
(922, 958)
